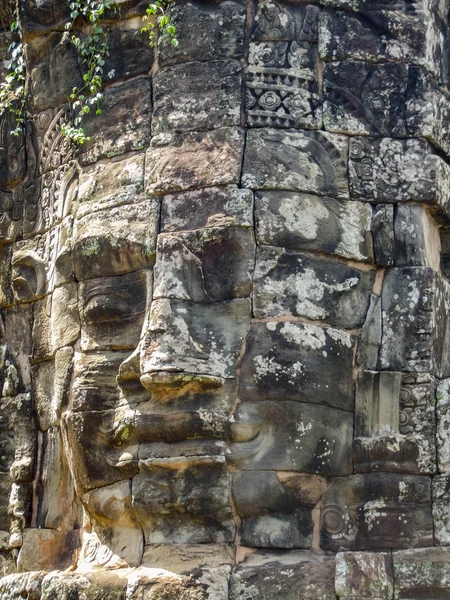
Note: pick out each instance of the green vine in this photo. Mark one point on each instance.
(93, 49)
(12, 90)
(162, 22)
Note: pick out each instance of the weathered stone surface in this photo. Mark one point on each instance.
(271, 516)
(128, 56)
(95, 386)
(417, 241)
(115, 522)
(363, 98)
(37, 18)
(422, 573)
(169, 498)
(155, 584)
(124, 125)
(94, 586)
(275, 22)
(389, 170)
(383, 234)
(364, 575)
(370, 336)
(18, 440)
(291, 575)
(54, 71)
(15, 586)
(38, 264)
(115, 241)
(95, 458)
(377, 403)
(441, 509)
(310, 162)
(291, 436)
(185, 558)
(204, 208)
(443, 425)
(202, 339)
(291, 361)
(206, 265)
(395, 424)
(201, 32)
(108, 184)
(183, 161)
(309, 222)
(427, 109)
(256, 231)
(47, 549)
(65, 322)
(377, 512)
(112, 311)
(412, 302)
(57, 505)
(10, 210)
(294, 284)
(197, 96)
(370, 32)
(20, 318)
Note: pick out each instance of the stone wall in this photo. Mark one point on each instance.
(227, 373)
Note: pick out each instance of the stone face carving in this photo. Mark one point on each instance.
(224, 334)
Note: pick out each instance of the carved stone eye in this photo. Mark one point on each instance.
(28, 276)
(105, 308)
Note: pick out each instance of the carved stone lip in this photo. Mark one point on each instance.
(165, 382)
(171, 428)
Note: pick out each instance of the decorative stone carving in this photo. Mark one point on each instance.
(310, 162)
(375, 512)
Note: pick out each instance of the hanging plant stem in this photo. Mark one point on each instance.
(12, 89)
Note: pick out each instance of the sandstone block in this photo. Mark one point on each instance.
(191, 338)
(364, 575)
(115, 241)
(378, 511)
(294, 284)
(364, 98)
(308, 162)
(292, 575)
(124, 125)
(291, 436)
(47, 549)
(109, 184)
(205, 265)
(112, 311)
(197, 96)
(201, 32)
(198, 486)
(283, 362)
(203, 208)
(413, 303)
(441, 509)
(389, 170)
(422, 572)
(272, 515)
(182, 161)
(309, 222)
(396, 35)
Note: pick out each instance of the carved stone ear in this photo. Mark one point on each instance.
(29, 276)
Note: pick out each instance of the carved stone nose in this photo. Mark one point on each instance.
(129, 372)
